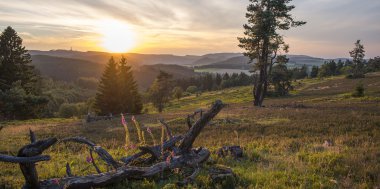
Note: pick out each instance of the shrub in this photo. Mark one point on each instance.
(192, 89)
(67, 110)
(359, 91)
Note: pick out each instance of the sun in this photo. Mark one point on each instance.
(117, 37)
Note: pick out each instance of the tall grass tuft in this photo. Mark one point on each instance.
(151, 135)
(139, 131)
(127, 134)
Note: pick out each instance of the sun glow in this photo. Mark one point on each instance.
(117, 37)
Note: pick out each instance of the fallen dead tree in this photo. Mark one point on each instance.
(161, 158)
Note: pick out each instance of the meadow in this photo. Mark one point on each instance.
(317, 137)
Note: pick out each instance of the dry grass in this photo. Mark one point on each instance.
(283, 142)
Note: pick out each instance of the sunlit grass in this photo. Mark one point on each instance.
(283, 144)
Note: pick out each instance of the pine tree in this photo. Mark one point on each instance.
(314, 72)
(357, 55)
(262, 40)
(129, 97)
(160, 90)
(15, 63)
(20, 93)
(218, 79)
(106, 100)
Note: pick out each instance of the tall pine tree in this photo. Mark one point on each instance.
(20, 92)
(129, 97)
(357, 55)
(262, 40)
(106, 100)
(15, 63)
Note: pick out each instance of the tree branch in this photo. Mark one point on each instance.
(103, 154)
(13, 159)
(194, 131)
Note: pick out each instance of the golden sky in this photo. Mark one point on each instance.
(185, 26)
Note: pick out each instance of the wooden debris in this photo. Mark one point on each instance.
(174, 158)
(234, 151)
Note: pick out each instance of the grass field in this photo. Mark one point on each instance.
(283, 142)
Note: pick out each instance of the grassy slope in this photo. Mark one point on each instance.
(283, 142)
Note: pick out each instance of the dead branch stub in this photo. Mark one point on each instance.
(180, 156)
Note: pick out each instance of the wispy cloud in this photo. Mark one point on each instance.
(190, 26)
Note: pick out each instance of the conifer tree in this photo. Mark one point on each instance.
(129, 97)
(357, 55)
(20, 92)
(106, 100)
(262, 40)
(160, 90)
(15, 63)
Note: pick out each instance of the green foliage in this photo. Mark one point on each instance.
(329, 68)
(262, 40)
(16, 103)
(357, 55)
(359, 90)
(106, 98)
(192, 89)
(128, 97)
(314, 72)
(20, 90)
(299, 73)
(117, 91)
(177, 92)
(87, 83)
(374, 64)
(160, 90)
(15, 63)
(281, 79)
(283, 144)
(67, 110)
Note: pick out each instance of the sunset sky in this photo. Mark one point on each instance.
(186, 26)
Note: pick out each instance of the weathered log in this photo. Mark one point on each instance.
(192, 116)
(103, 154)
(234, 151)
(29, 169)
(194, 131)
(32, 136)
(125, 172)
(190, 178)
(94, 163)
(13, 159)
(220, 172)
(180, 157)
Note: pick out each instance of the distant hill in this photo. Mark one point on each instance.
(66, 69)
(240, 62)
(212, 58)
(70, 69)
(134, 59)
(69, 65)
(146, 74)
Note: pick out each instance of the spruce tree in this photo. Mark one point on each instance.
(15, 63)
(129, 97)
(20, 92)
(262, 40)
(106, 100)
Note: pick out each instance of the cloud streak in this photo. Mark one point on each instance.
(190, 26)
